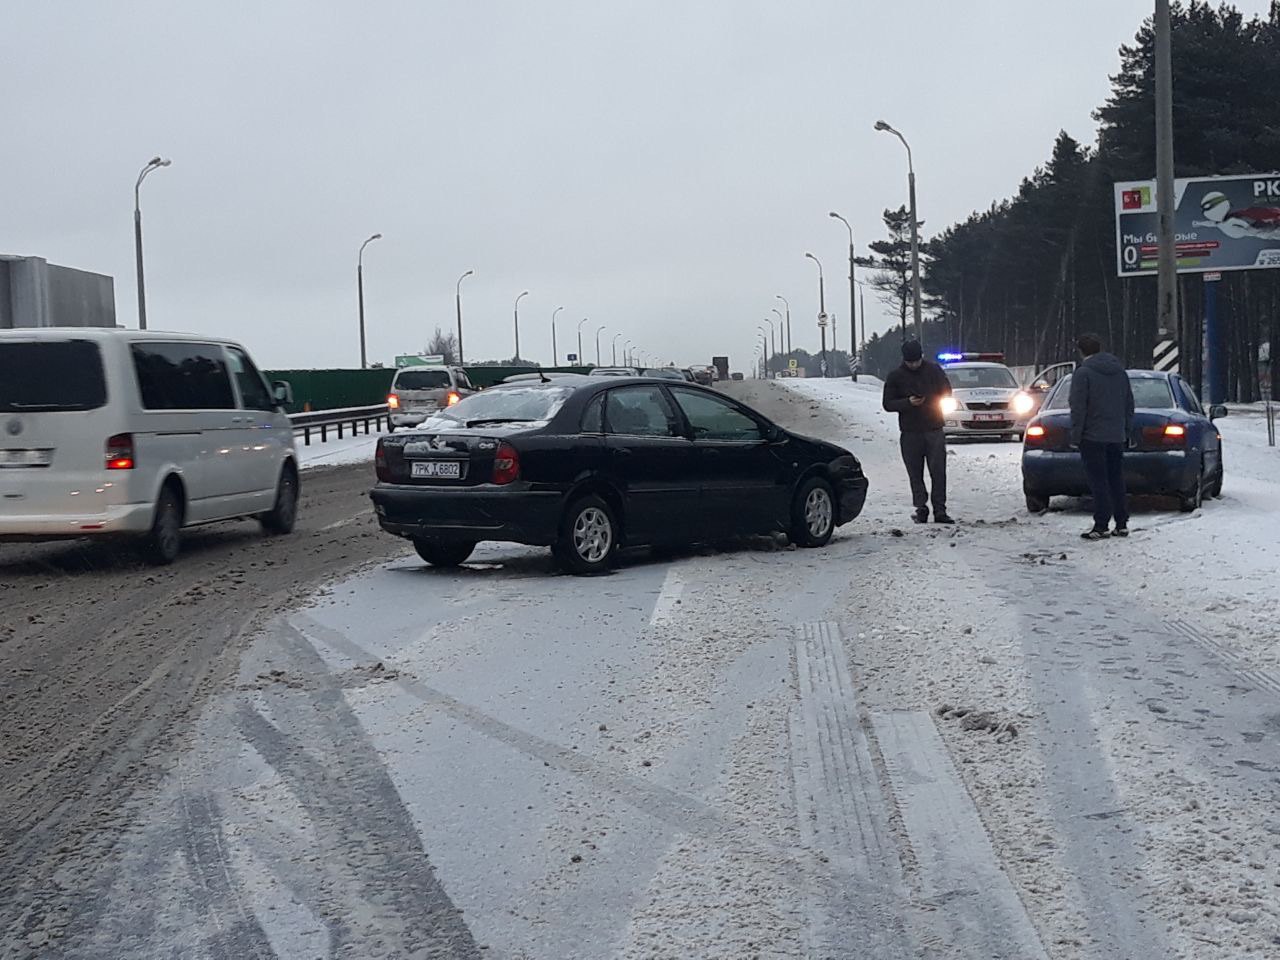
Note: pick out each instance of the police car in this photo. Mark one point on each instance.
(986, 399)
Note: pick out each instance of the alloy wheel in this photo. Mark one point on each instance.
(592, 535)
(817, 511)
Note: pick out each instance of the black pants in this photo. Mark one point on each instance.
(917, 450)
(1104, 468)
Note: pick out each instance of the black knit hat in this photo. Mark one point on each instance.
(912, 351)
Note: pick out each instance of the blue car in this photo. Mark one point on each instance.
(1174, 448)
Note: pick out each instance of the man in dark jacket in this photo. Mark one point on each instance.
(914, 391)
(1101, 418)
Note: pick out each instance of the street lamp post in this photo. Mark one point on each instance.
(457, 300)
(364, 357)
(517, 315)
(915, 230)
(788, 306)
(555, 354)
(599, 330)
(154, 164)
(614, 359)
(581, 362)
(627, 358)
(862, 309)
(853, 313)
(773, 344)
(822, 310)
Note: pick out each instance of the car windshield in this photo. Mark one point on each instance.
(664, 373)
(968, 378)
(509, 403)
(1151, 393)
(51, 375)
(421, 379)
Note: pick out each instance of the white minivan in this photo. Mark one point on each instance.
(110, 432)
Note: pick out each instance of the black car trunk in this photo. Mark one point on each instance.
(452, 458)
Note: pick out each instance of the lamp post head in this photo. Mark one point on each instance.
(467, 274)
(836, 215)
(881, 125)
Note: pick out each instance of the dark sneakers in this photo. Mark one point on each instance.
(1096, 534)
(921, 515)
(1121, 530)
(942, 518)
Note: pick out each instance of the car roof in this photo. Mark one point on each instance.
(107, 333)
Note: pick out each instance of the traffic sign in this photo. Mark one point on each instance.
(573, 358)
(792, 363)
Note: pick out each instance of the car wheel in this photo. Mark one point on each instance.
(160, 545)
(443, 553)
(1193, 499)
(281, 517)
(813, 513)
(588, 542)
(1037, 503)
(1215, 488)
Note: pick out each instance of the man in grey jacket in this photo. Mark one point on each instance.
(1101, 418)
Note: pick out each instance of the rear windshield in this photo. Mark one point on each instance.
(967, 378)
(422, 379)
(51, 375)
(515, 403)
(1150, 392)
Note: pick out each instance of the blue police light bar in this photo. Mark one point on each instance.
(970, 357)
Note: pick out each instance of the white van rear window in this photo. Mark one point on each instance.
(422, 379)
(51, 375)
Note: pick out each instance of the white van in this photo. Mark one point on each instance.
(418, 392)
(107, 432)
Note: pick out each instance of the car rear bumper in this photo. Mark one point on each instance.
(1050, 472)
(128, 518)
(476, 513)
(410, 418)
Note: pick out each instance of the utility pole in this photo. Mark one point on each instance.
(154, 164)
(788, 306)
(364, 357)
(853, 313)
(555, 354)
(1167, 271)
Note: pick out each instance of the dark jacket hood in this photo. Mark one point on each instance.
(1104, 363)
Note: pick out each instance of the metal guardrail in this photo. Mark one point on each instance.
(325, 421)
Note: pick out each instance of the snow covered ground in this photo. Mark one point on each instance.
(987, 742)
(1135, 810)
(332, 453)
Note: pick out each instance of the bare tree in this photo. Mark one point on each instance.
(444, 344)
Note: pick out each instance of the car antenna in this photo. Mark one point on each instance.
(542, 376)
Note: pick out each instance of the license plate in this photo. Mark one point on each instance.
(25, 458)
(438, 468)
(988, 416)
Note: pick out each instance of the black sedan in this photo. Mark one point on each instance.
(587, 466)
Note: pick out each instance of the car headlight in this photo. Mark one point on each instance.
(1022, 404)
(950, 404)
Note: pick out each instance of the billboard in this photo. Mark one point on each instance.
(1219, 223)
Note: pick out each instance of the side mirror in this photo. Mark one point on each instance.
(774, 433)
(282, 393)
(1216, 411)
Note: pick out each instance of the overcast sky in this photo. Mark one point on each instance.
(658, 167)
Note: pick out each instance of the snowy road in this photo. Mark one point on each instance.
(981, 742)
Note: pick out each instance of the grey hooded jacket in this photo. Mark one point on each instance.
(1101, 401)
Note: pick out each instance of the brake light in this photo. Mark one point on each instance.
(506, 464)
(119, 452)
(452, 398)
(393, 401)
(380, 463)
(1165, 435)
(1035, 434)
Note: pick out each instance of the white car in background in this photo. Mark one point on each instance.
(127, 433)
(986, 399)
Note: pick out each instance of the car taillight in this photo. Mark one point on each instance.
(393, 401)
(1035, 434)
(380, 463)
(119, 452)
(506, 464)
(1166, 435)
(452, 398)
